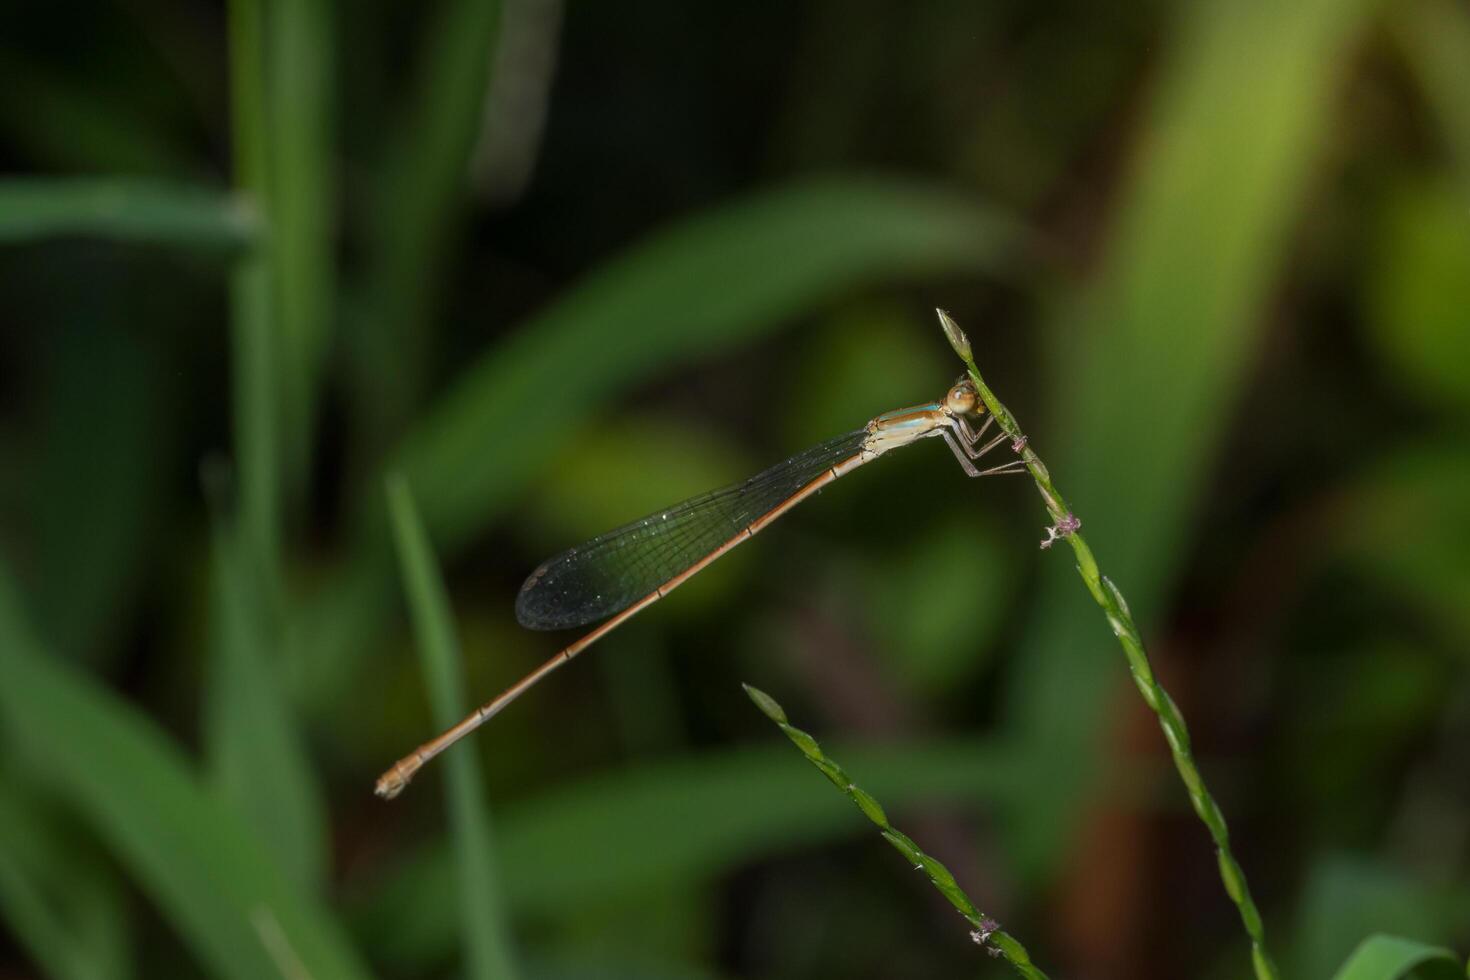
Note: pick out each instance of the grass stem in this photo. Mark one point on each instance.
(985, 931)
(1065, 525)
(486, 929)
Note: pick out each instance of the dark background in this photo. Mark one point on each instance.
(559, 265)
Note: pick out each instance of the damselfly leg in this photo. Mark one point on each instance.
(964, 442)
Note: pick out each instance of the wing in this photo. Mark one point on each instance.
(614, 570)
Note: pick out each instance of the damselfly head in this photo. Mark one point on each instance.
(963, 399)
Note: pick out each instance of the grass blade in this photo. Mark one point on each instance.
(255, 752)
(1391, 958)
(302, 210)
(209, 875)
(486, 932)
(124, 209)
(67, 914)
(254, 358)
(986, 930)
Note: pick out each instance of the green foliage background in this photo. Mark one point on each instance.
(323, 323)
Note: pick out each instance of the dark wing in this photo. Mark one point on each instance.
(614, 570)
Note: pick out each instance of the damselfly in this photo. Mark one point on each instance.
(617, 575)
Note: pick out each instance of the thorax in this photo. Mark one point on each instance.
(901, 427)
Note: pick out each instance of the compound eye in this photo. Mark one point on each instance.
(961, 399)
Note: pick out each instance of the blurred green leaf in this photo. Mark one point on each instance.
(255, 358)
(256, 755)
(716, 280)
(302, 213)
(1346, 898)
(126, 209)
(1418, 289)
(485, 933)
(656, 825)
(1390, 958)
(67, 912)
(212, 879)
(1153, 364)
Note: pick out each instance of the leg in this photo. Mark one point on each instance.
(953, 443)
(967, 438)
(969, 435)
(965, 453)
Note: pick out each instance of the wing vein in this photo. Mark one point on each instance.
(614, 570)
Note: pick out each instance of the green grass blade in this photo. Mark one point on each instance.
(212, 879)
(694, 291)
(1392, 958)
(49, 941)
(1175, 315)
(485, 930)
(66, 913)
(256, 754)
(690, 819)
(254, 357)
(303, 195)
(124, 209)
